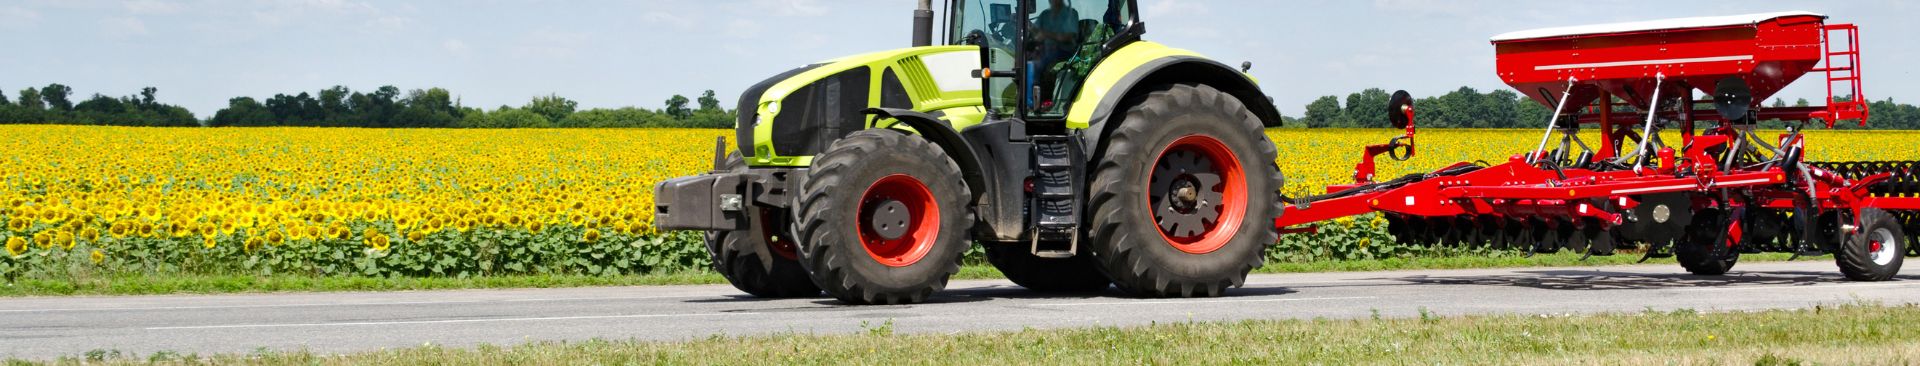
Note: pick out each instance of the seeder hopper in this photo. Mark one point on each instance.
(1722, 189)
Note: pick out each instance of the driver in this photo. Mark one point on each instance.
(1057, 30)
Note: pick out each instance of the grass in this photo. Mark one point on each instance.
(214, 284)
(1846, 334)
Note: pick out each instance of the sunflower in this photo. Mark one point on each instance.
(276, 238)
(592, 235)
(64, 238)
(209, 242)
(18, 224)
(416, 236)
(98, 256)
(43, 239)
(90, 234)
(146, 230)
(118, 228)
(252, 244)
(535, 225)
(313, 232)
(16, 245)
(339, 231)
(379, 242)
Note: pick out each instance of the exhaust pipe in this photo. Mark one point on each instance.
(923, 24)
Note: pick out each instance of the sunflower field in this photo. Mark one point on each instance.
(80, 200)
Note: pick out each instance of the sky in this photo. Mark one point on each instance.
(199, 53)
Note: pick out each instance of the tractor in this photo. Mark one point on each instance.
(1076, 153)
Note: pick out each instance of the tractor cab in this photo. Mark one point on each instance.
(1038, 54)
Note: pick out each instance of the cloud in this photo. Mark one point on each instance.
(372, 19)
(18, 17)
(1175, 8)
(152, 7)
(790, 8)
(668, 19)
(550, 44)
(455, 46)
(123, 27)
(741, 28)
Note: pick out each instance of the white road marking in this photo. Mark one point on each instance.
(1200, 301)
(207, 307)
(1744, 288)
(447, 321)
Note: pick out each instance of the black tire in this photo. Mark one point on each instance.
(1124, 236)
(1856, 254)
(1702, 248)
(837, 195)
(1068, 275)
(736, 255)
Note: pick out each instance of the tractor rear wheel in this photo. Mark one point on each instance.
(759, 262)
(1073, 274)
(1873, 254)
(882, 218)
(1183, 195)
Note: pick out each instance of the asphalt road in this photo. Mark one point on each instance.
(346, 322)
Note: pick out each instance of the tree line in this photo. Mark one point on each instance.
(53, 104)
(1469, 108)
(389, 107)
(338, 106)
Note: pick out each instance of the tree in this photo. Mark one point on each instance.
(30, 99)
(1368, 108)
(1324, 112)
(708, 102)
(56, 96)
(677, 107)
(333, 105)
(432, 107)
(243, 111)
(516, 118)
(3, 98)
(146, 97)
(552, 106)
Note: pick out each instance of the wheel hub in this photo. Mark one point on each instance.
(899, 220)
(889, 219)
(1184, 183)
(1196, 194)
(1880, 247)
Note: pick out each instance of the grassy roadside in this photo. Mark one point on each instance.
(213, 284)
(1846, 334)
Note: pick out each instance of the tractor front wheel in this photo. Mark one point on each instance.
(762, 261)
(1183, 196)
(882, 218)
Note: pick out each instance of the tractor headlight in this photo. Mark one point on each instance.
(773, 107)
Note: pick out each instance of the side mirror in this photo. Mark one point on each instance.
(1400, 109)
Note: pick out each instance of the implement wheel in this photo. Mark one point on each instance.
(1182, 198)
(760, 262)
(1074, 274)
(1874, 253)
(1704, 248)
(882, 218)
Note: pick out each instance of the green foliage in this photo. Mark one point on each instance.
(677, 107)
(508, 117)
(1325, 112)
(552, 106)
(477, 252)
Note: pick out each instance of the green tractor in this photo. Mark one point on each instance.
(1077, 154)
